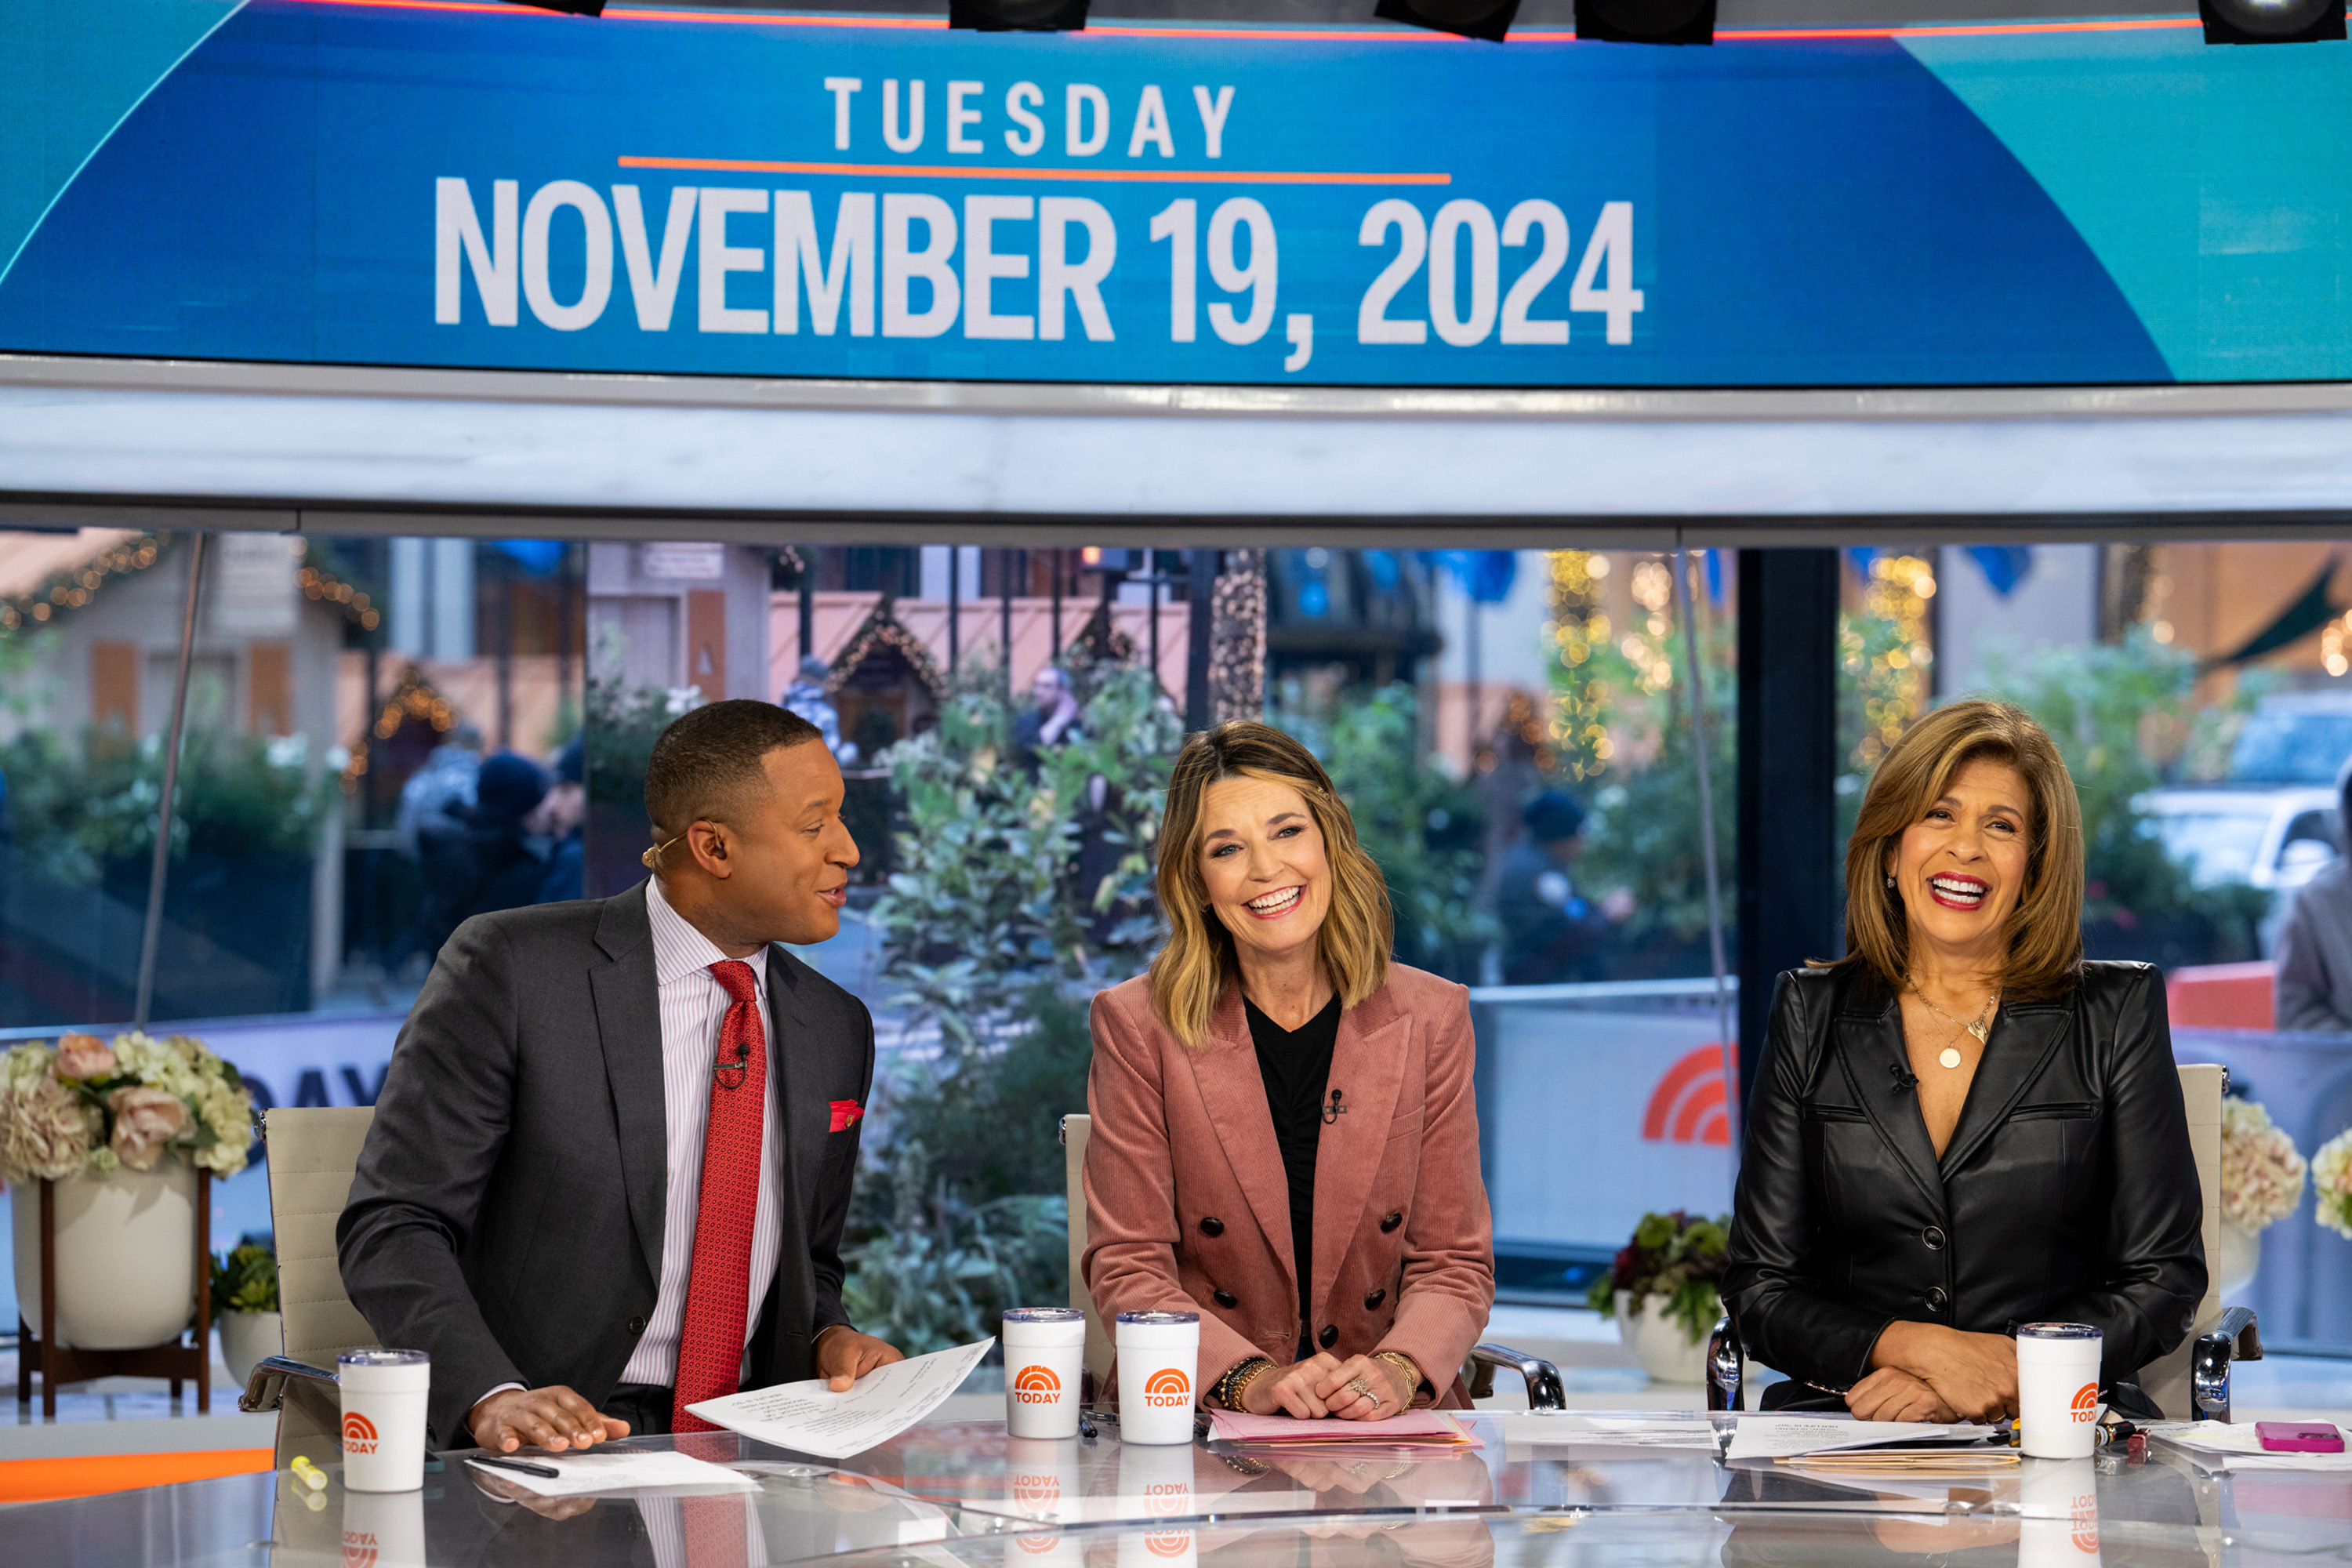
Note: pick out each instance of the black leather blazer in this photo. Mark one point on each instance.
(2068, 1191)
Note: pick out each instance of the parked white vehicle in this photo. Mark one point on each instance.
(2273, 839)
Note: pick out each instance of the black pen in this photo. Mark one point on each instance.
(548, 1471)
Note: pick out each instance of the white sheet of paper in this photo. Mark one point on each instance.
(810, 1418)
(618, 1470)
(1778, 1437)
(1687, 1433)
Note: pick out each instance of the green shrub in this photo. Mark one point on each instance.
(1420, 825)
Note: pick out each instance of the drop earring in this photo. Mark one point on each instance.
(1890, 883)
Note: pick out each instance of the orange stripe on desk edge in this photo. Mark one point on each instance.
(45, 1480)
(958, 172)
(1400, 35)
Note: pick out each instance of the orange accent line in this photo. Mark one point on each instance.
(965, 172)
(1400, 35)
(45, 1480)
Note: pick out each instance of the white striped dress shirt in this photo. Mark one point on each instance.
(693, 1006)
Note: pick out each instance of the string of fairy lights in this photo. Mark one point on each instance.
(75, 586)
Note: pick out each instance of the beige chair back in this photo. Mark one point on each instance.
(1075, 1131)
(312, 1153)
(2165, 1380)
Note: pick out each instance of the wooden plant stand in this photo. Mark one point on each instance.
(175, 1358)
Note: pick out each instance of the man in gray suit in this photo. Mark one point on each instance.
(611, 1160)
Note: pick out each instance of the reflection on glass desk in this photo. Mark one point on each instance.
(962, 1495)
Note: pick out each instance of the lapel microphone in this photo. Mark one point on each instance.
(1904, 1077)
(1333, 1111)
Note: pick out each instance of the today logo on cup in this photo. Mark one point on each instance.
(359, 1434)
(2085, 1404)
(1168, 1387)
(359, 1549)
(1037, 1385)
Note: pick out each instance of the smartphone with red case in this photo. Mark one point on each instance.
(2299, 1436)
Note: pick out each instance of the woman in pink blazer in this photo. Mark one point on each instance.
(1285, 1137)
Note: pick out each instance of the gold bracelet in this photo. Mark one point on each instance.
(1236, 1383)
(1404, 1364)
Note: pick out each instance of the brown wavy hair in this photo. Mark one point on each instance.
(1359, 931)
(2046, 929)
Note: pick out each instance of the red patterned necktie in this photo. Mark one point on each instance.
(718, 1290)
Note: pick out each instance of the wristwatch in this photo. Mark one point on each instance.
(1229, 1389)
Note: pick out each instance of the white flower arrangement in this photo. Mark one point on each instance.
(84, 1104)
(2261, 1174)
(2331, 1180)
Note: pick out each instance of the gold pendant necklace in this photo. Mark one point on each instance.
(1949, 1056)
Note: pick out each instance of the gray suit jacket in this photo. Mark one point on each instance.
(2315, 952)
(507, 1214)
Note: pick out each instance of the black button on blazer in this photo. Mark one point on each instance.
(2068, 1190)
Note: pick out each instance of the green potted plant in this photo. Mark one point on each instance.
(245, 1304)
(1662, 1292)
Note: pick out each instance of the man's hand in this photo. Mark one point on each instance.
(1974, 1374)
(1290, 1390)
(844, 1355)
(551, 1418)
(1891, 1394)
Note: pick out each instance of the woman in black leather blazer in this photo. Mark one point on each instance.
(1912, 1189)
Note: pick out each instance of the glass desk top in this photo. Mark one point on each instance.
(963, 1495)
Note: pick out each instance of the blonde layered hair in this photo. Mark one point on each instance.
(2046, 929)
(1358, 931)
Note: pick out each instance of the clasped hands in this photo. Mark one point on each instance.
(1319, 1386)
(556, 1418)
(1925, 1371)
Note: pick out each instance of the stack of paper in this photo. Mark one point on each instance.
(1787, 1436)
(1914, 1461)
(1429, 1429)
(2224, 1446)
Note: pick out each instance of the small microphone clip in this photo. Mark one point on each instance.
(1333, 1111)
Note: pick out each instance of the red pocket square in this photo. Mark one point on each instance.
(845, 1111)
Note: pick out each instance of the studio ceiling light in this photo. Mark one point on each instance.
(1488, 19)
(1646, 21)
(1019, 16)
(2271, 21)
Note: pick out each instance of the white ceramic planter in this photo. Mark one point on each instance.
(126, 1256)
(2234, 1261)
(1658, 1342)
(246, 1338)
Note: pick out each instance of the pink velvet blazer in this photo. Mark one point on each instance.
(1188, 1208)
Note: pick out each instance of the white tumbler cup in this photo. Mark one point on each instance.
(383, 1418)
(384, 1529)
(1157, 1357)
(2060, 1504)
(2058, 1389)
(1045, 1356)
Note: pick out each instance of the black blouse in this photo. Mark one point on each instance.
(1296, 1065)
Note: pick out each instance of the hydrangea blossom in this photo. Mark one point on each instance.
(2331, 1176)
(52, 1125)
(2261, 1173)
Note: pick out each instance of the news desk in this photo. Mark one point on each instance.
(961, 1495)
